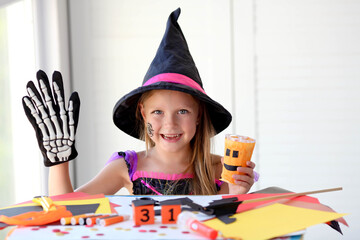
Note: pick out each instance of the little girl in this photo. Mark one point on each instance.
(170, 111)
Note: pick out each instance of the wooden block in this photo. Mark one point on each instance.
(143, 214)
(169, 213)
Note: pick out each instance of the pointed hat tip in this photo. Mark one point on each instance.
(175, 14)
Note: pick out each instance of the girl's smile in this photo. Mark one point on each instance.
(171, 137)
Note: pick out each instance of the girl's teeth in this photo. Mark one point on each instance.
(171, 136)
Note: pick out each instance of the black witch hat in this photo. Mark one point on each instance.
(173, 68)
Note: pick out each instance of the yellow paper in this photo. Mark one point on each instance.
(104, 204)
(271, 221)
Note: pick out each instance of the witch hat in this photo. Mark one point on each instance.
(173, 68)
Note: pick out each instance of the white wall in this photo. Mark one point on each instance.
(24, 154)
(307, 99)
(287, 70)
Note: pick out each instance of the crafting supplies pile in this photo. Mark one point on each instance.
(277, 212)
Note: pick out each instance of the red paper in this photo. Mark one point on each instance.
(300, 201)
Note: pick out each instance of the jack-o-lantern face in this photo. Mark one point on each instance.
(238, 150)
(232, 157)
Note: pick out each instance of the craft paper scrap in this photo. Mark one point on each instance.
(74, 209)
(273, 220)
(103, 208)
(300, 201)
(314, 206)
(104, 204)
(247, 206)
(76, 196)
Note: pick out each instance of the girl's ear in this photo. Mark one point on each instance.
(142, 111)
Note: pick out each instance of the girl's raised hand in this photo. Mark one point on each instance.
(55, 126)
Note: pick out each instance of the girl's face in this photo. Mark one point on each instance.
(171, 118)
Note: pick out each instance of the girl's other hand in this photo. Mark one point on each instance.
(244, 181)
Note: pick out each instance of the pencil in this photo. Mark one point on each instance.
(116, 219)
(82, 220)
(67, 220)
(92, 220)
(104, 217)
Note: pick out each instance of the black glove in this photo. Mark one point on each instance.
(55, 126)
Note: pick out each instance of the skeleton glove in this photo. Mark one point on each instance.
(55, 126)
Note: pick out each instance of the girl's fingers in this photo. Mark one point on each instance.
(243, 181)
(243, 184)
(246, 170)
(242, 177)
(246, 184)
(250, 164)
(249, 171)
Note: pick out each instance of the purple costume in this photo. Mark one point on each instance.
(153, 183)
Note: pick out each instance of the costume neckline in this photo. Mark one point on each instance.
(160, 175)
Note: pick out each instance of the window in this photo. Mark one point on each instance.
(6, 170)
(20, 168)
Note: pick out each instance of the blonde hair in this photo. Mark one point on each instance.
(201, 163)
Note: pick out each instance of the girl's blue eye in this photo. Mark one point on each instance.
(183, 111)
(157, 112)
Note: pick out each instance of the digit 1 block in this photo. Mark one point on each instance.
(143, 212)
(170, 209)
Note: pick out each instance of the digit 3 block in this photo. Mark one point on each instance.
(143, 211)
(170, 209)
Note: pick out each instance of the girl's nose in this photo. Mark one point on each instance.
(170, 119)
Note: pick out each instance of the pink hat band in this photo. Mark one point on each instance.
(175, 78)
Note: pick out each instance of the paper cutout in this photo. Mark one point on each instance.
(310, 205)
(288, 219)
(104, 204)
(76, 196)
(76, 202)
(273, 190)
(72, 196)
(301, 201)
(224, 208)
(74, 209)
